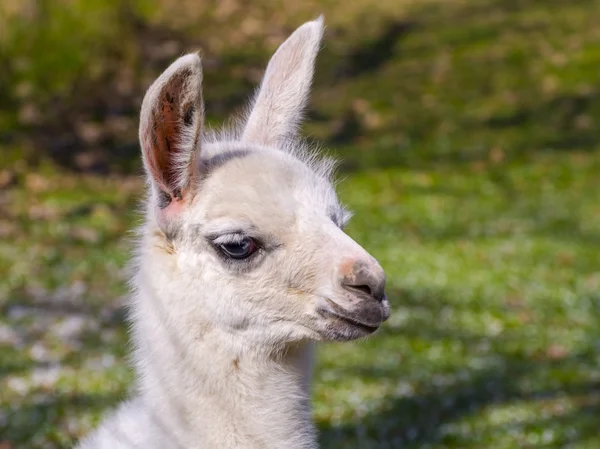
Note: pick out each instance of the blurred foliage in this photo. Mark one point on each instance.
(415, 80)
(469, 136)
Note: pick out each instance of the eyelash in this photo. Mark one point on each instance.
(228, 239)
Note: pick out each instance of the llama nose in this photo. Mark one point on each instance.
(366, 278)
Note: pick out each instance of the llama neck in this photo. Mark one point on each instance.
(221, 390)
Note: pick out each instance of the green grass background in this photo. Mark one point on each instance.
(469, 133)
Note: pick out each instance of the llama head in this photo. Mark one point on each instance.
(246, 231)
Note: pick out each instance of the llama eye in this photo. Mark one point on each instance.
(239, 250)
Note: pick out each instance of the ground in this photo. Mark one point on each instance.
(471, 162)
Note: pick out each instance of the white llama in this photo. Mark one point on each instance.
(242, 265)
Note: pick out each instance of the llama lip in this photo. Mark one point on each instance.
(367, 328)
(348, 317)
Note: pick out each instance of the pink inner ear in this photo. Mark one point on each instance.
(167, 147)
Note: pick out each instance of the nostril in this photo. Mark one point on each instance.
(363, 279)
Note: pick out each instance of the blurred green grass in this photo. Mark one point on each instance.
(470, 143)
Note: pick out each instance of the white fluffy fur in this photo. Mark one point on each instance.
(223, 348)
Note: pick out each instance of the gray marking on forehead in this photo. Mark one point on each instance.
(214, 162)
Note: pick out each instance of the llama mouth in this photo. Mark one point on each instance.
(341, 314)
(368, 328)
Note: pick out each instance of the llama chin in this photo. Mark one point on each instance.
(242, 265)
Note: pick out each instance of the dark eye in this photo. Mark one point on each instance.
(239, 250)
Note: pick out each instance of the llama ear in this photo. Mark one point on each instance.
(284, 89)
(171, 123)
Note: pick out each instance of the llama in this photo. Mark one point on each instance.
(242, 265)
